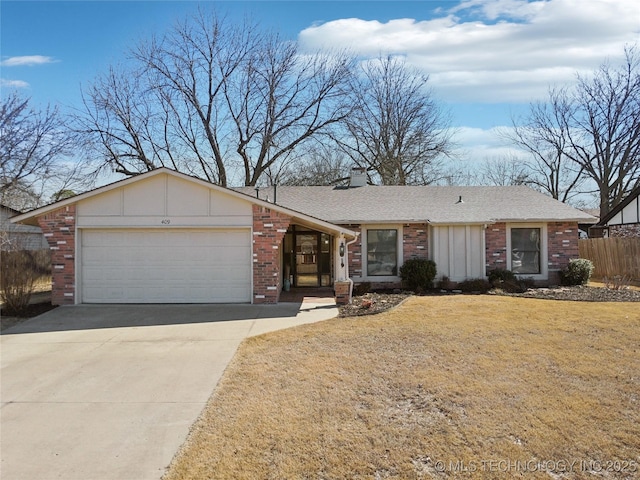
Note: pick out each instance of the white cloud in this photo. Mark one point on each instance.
(476, 145)
(13, 83)
(27, 61)
(495, 50)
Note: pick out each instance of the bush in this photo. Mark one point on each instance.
(445, 284)
(417, 274)
(617, 282)
(360, 289)
(509, 282)
(519, 285)
(475, 285)
(578, 272)
(499, 276)
(17, 276)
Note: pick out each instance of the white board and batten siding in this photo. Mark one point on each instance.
(630, 214)
(459, 251)
(164, 240)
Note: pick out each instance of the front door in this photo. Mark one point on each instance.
(311, 260)
(306, 260)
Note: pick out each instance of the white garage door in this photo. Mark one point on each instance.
(166, 266)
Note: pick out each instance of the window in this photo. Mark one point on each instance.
(382, 252)
(525, 250)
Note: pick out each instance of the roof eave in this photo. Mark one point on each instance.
(618, 208)
(548, 220)
(30, 218)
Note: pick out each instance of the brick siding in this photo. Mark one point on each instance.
(269, 228)
(562, 245)
(415, 241)
(415, 244)
(59, 228)
(629, 230)
(342, 290)
(496, 247)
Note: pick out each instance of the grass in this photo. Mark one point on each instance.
(498, 386)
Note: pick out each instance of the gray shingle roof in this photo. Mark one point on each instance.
(439, 205)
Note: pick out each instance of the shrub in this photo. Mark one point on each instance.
(518, 285)
(445, 284)
(499, 276)
(475, 285)
(417, 274)
(509, 282)
(578, 272)
(617, 282)
(17, 276)
(361, 289)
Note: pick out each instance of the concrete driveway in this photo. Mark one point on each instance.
(109, 392)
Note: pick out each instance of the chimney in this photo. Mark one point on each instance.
(358, 177)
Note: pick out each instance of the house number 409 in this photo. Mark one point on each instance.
(166, 221)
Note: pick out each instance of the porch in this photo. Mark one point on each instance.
(323, 295)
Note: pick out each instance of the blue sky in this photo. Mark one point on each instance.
(487, 59)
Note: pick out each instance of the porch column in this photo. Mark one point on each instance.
(343, 284)
(269, 228)
(342, 260)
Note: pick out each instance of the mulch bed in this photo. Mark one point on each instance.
(582, 294)
(372, 303)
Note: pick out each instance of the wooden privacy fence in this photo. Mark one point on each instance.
(612, 256)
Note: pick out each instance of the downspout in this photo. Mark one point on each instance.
(346, 265)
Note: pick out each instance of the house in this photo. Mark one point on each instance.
(167, 237)
(623, 220)
(17, 236)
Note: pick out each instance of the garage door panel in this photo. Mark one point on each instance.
(159, 266)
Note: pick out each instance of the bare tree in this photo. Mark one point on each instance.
(604, 129)
(397, 130)
(120, 123)
(589, 134)
(503, 171)
(320, 164)
(282, 99)
(35, 149)
(543, 134)
(216, 100)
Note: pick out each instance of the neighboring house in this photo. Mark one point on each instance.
(19, 237)
(623, 220)
(167, 237)
(587, 229)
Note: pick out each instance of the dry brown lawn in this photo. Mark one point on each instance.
(441, 387)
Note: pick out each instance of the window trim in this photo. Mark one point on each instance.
(364, 228)
(544, 250)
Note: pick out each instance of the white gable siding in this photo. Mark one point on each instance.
(163, 201)
(629, 214)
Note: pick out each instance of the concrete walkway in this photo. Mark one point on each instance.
(110, 392)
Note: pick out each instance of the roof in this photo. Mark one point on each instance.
(433, 204)
(6, 213)
(11, 211)
(327, 207)
(618, 208)
(30, 217)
